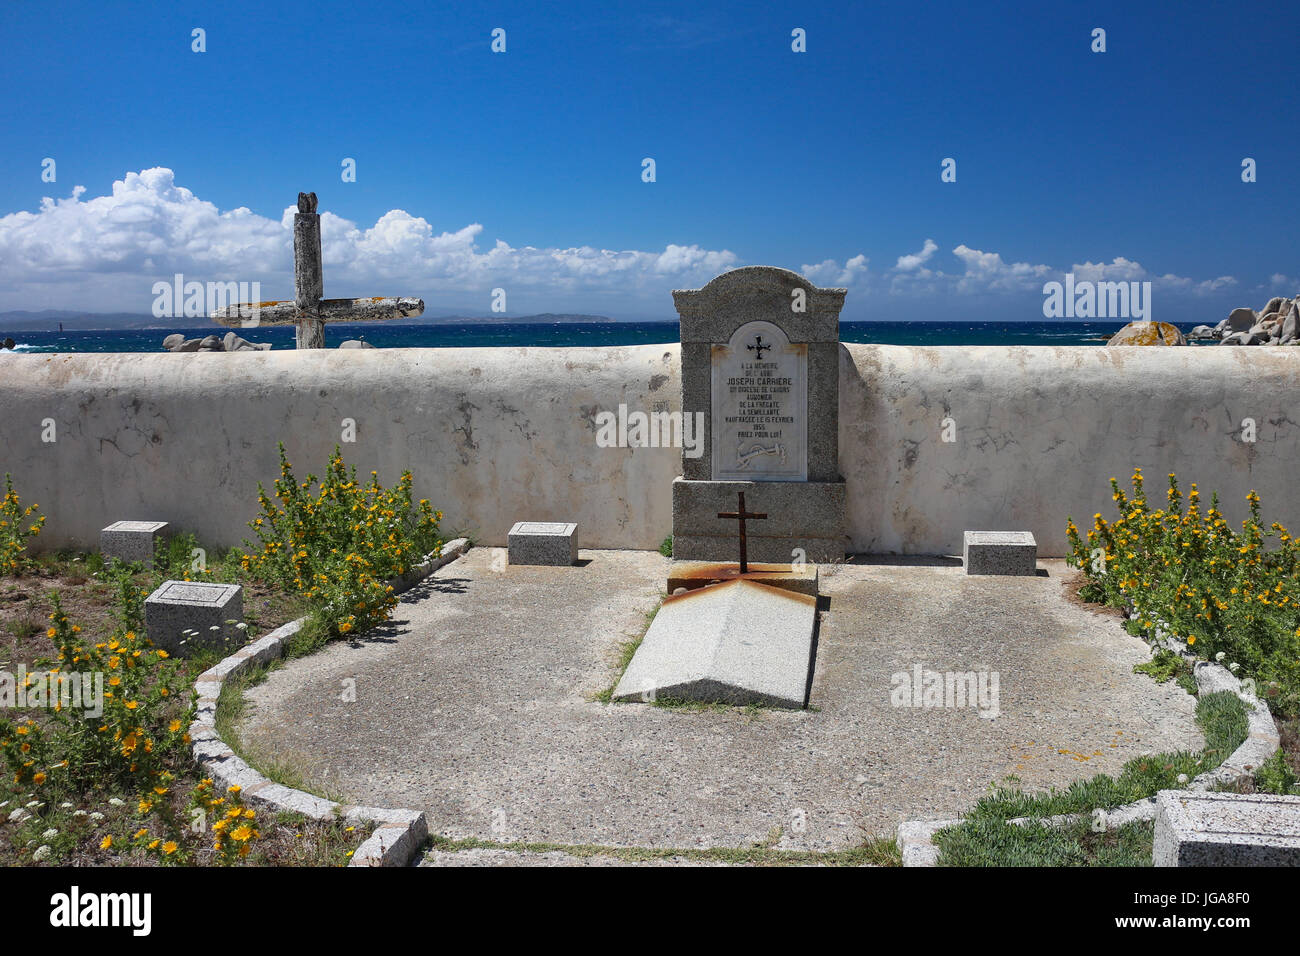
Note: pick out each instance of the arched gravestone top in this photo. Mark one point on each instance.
(809, 316)
(713, 313)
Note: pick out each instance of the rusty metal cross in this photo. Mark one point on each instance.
(742, 514)
(758, 347)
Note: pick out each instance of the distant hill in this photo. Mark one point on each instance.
(543, 318)
(49, 319)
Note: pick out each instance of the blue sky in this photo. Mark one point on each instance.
(523, 170)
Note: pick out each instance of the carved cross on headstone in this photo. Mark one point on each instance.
(758, 347)
(742, 514)
(308, 311)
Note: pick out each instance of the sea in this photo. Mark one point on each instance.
(436, 335)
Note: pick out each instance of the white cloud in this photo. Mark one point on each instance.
(910, 263)
(105, 253)
(113, 248)
(987, 272)
(830, 273)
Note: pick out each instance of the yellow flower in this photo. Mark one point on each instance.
(170, 847)
(105, 843)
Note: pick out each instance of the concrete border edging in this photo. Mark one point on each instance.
(915, 837)
(398, 832)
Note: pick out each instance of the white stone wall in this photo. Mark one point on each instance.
(496, 436)
(1040, 430)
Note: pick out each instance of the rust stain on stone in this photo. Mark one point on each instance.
(750, 578)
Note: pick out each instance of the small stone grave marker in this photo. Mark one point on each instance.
(1226, 829)
(198, 606)
(1000, 552)
(543, 542)
(132, 540)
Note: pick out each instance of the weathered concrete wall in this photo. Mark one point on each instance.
(496, 436)
(1040, 430)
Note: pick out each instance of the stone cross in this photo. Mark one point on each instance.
(742, 514)
(308, 311)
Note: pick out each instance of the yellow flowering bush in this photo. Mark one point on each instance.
(141, 733)
(339, 543)
(1233, 596)
(13, 536)
(232, 824)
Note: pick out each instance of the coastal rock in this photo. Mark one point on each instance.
(1274, 304)
(1148, 333)
(8, 343)
(1203, 332)
(1291, 325)
(172, 341)
(1243, 338)
(355, 344)
(210, 344)
(189, 345)
(1241, 320)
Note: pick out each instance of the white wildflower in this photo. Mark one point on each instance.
(49, 834)
(40, 854)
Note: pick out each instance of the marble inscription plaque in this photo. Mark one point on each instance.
(760, 406)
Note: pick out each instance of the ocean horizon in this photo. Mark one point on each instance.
(576, 335)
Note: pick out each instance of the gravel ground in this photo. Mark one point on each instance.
(474, 705)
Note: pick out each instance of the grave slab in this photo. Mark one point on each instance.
(179, 606)
(1000, 552)
(1226, 829)
(132, 540)
(739, 642)
(801, 579)
(543, 542)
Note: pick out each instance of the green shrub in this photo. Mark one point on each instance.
(1274, 776)
(1232, 596)
(339, 544)
(13, 536)
(141, 733)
